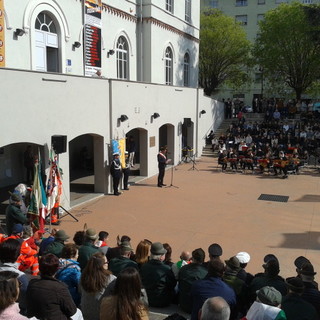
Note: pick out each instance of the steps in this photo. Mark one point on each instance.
(224, 126)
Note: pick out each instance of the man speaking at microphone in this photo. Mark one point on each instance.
(162, 162)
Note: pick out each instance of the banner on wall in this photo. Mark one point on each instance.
(119, 146)
(2, 39)
(92, 36)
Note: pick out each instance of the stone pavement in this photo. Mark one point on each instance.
(205, 206)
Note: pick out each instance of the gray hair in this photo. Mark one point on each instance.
(215, 308)
(156, 256)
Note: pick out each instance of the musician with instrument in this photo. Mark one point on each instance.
(233, 159)
(223, 160)
(282, 164)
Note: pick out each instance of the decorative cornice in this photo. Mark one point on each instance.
(170, 28)
(119, 13)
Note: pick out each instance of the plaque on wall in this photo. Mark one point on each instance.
(152, 142)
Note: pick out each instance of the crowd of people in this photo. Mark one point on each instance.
(87, 279)
(278, 144)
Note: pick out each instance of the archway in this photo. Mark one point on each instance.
(166, 138)
(139, 137)
(86, 166)
(13, 170)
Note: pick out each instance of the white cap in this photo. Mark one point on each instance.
(243, 257)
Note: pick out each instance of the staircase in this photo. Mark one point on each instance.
(224, 126)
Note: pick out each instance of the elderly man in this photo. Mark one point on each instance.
(215, 308)
(57, 245)
(13, 213)
(116, 265)
(158, 278)
(88, 248)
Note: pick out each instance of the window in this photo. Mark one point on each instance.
(47, 44)
(258, 77)
(281, 1)
(307, 1)
(168, 66)
(261, 1)
(214, 3)
(187, 15)
(122, 59)
(260, 17)
(242, 19)
(186, 69)
(169, 5)
(241, 3)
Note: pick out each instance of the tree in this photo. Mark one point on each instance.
(287, 47)
(224, 50)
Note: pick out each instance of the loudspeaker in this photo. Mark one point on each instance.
(59, 143)
(187, 122)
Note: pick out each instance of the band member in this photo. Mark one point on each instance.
(162, 162)
(115, 170)
(233, 159)
(223, 160)
(282, 164)
(248, 160)
(126, 171)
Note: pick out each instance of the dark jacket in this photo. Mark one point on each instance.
(55, 248)
(118, 264)
(49, 299)
(210, 287)
(85, 253)
(296, 308)
(188, 274)
(14, 215)
(159, 282)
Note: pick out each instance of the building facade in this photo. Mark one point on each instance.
(248, 13)
(147, 52)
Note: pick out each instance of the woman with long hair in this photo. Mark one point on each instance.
(126, 302)
(142, 252)
(95, 279)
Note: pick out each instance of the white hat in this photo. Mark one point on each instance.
(115, 154)
(243, 257)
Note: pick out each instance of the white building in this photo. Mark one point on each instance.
(147, 51)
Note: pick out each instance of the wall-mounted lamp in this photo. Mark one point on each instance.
(76, 44)
(203, 111)
(123, 118)
(19, 32)
(110, 52)
(155, 115)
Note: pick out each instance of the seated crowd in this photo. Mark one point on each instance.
(87, 279)
(277, 142)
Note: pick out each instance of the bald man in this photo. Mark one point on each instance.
(215, 308)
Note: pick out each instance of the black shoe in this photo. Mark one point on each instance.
(126, 188)
(163, 185)
(159, 186)
(117, 194)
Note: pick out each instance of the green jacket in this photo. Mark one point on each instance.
(188, 274)
(85, 253)
(118, 264)
(55, 247)
(159, 282)
(14, 215)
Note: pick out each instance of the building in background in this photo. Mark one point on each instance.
(91, 72)
(248, 13)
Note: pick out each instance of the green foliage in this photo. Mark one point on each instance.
(288, 47)
(224, 51)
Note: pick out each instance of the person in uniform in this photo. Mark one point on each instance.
(126, 171)
(115, 170)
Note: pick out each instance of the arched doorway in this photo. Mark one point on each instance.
(13, 170)
(166, 138)
(139, 137)
(86, 166)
